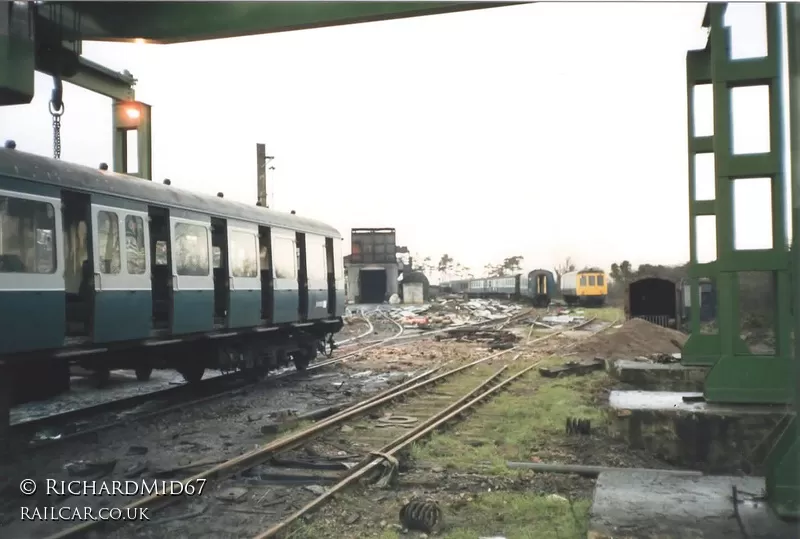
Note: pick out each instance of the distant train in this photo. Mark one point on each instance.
(109, 271)
(537, 286)
(587, 287)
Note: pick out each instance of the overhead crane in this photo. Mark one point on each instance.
(47, 37)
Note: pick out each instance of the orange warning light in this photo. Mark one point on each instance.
(132, 113)
(128, 114)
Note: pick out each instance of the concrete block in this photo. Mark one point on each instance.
(650, 505)
(658, 376)
(710, 437)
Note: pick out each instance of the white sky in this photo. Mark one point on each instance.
(544, 130)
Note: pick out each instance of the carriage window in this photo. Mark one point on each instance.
(191, 256)
(591, 280)
(583, 280)
(244, 254)
(600, 280)
(284, 258)
(263, 258)
(134, 245)
(162, 256)
(27, 236)
(315, 262)
(108, 251)
(216, 255)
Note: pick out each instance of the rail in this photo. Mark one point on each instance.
(285, 443)
(454, 410)
(28, 429)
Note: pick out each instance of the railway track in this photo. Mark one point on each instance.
(87, 420)
(81, 422)
(434, 411)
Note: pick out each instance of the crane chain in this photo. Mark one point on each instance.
(56, 107)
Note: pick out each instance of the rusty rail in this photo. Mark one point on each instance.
(400, 443)
(381, 342)
(370, 328)
(285, 443)
(288, 442)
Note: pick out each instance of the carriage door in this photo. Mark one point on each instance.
(192, 280)
(245, 279)
(330, 267)
(302, 276)
(122, 298)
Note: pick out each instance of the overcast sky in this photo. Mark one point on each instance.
(544, 130)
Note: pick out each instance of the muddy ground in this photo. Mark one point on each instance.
(462, 468)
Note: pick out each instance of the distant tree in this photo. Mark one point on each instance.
(622, 273)
(445, 266)
(565, 267)
(509, 266)
(423, 265)
(513, 264)
(461, 271)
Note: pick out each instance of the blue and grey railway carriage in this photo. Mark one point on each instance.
(538, 286)
(109, 271)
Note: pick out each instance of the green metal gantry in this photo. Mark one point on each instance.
(736, 375)
(42, 38)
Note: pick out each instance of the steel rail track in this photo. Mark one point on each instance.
(213, 388)
(428, 333)
(282, 444)
(388, 451)
(30, 428)
(368, 331)
(291, 441)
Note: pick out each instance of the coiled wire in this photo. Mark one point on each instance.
(421, 515)
(578, 426)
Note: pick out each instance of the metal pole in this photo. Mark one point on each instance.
(793, 54)
(272, 185)
(261, 164)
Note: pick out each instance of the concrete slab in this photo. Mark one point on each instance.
(657, 376)
(710, 437)
(649, 505)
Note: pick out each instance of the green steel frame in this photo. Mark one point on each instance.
(783, 465)
(736, 375)
(144, 141)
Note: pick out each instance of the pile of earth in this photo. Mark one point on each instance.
(635, 338)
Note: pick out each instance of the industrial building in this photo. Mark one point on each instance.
(415, 288)
(372, 267)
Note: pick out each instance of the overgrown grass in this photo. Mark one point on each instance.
(531, 414)
(507, 514)
(526, 419)
(519, 516)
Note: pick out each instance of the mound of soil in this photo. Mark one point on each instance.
(635, 338)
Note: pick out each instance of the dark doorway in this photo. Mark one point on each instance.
(372, 286)
(654, 300)
(161, 268)
(265, 254)
(222, 285)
